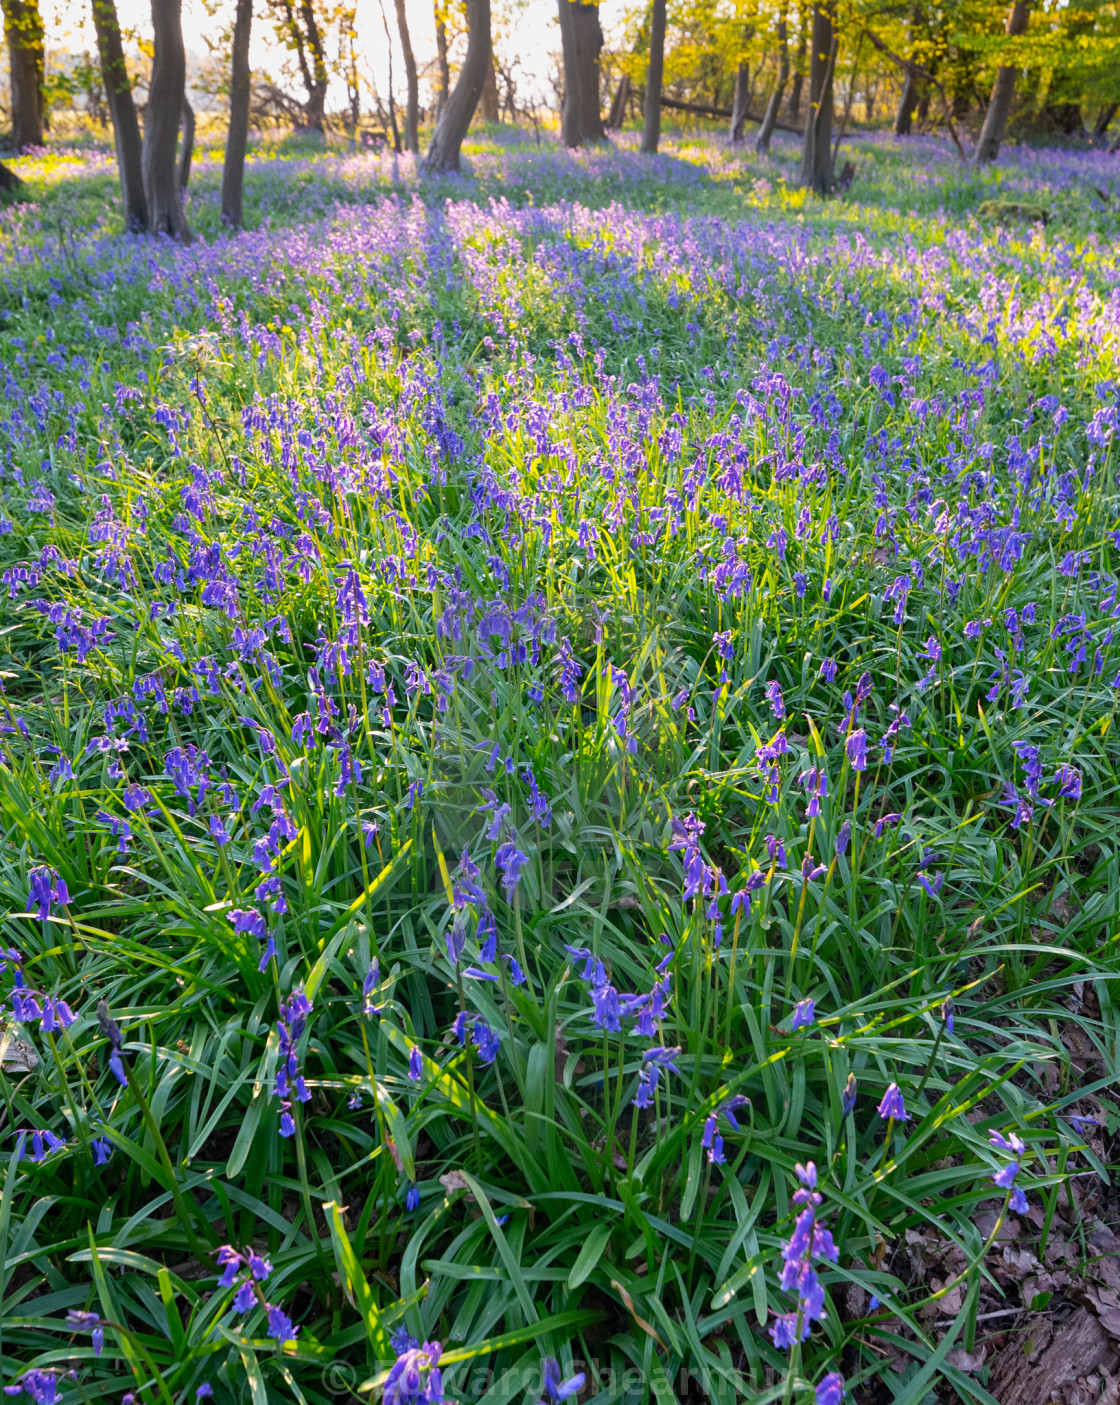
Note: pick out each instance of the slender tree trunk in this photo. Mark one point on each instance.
(444, 152)
(907, 102)
(441, 56)
(1003, 92)
(186, 147)
(741, 104)
(165, 104)
(317, 92)
(770, 117)
(798, 69)
(1108, 112)
(618, 104)
(488, 103)
(392, 104)
(651, 131)
(816, 157)
(23, 30)
(122, 111)
(237, 139)
(412, 104)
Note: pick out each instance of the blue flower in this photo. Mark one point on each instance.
(848, 1101)
(510, 860)
(856, 749)
(414, 1378)
(415, 1064)
(412, 1198)
(804, 1014)
(893, 1105)
(280, 1324)
(831, 1390)
(553, 1387)
(88, 1322)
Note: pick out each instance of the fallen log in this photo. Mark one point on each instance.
(703, 109)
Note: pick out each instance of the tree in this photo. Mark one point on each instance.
(741, 103)
(412, 106)
(161, 124)
(1003, 91)
(770, 117)
(441, 58)
(237, 139)
(23, 30)
(816, 155)
(447, 142)
(122, 112)
(651, 129)
(300, 28)
(798, 67)
(186, 146)
(9, 181)
(581, 40)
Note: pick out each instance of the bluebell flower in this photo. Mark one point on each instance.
(102, 1150)
(280, 1324)
(606, 1009)
(415, 1064)
(412, 1197)
(653, 1062)
(510, 860)
(487, 1041)
(892, 1104)
(88, 1322)
(369, 984)
(948, 1013)
(47, 889)
(804, 1013)
(848, 1101)
(843, 837)
(553, 1387)
(414, 1378)
(402, 1340)
(856, 749)
(830, 1391)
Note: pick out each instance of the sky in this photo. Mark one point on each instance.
(530, 23)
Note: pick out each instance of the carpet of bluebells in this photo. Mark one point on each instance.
(559, 773)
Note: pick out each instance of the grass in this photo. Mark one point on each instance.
(436, 579)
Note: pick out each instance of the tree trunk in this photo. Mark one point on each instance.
(122, 110)
(770, 118)
(816, 156)
(581, 39)
(237, 139)
(1108, 112)
(907, 102)
(8, 178)
(651, 129)
(186, 147)
(161, 126)
(798, 70)
(444, 67)
(740, 105)
(412, 105)
(23, 30)
(488, 103)
(443, 154)
(618, 104)
(1003, 92)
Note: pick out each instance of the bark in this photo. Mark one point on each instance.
(23, 30)
(740, 103)
(161, 125)
(8, 178)
(907, 102)
(122, 111)
(412, 103)
(1003, 92)
(488, 102)
(1108, 112)
(848, 103)
(618, 104)
(651, 128)
(444, 152)
(816, 156)
(770, 117)
(186, 146)
(444, 67)
(581, 39)
(798, 70)
(233, 169)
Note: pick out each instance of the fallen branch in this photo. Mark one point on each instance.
(702, 109)
(912, 67)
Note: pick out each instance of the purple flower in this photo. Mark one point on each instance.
(554, 1388)
(831, 1390)
(46, 889)
(280, 1324)
(843, 837)
(412, 1198)
(856, 749)
(369, 984)
(415, 1064)
(848, 1101)
(803, 1014)
(893, 1105)
(774, 698)
(414, 1378)
(88, 1322)
(1068, 778)
(510, 860)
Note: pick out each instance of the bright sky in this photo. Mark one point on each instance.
(531, 23)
